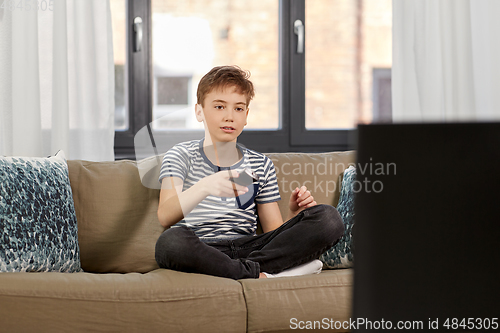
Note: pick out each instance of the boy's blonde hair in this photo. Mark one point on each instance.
(222, 77)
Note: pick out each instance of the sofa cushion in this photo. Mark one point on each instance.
(318, 171)
(117, 222)
(274, 303)
(37, 218)
(340, 255)
(159, 301)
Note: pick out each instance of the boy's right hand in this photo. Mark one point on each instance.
(220, 185)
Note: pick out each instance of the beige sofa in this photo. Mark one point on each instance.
(122, 288)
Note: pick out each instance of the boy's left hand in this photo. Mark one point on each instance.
(300, 199)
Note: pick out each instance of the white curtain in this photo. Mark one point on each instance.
(57, 79)
(446, 60)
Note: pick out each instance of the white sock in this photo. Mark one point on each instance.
(312, 267)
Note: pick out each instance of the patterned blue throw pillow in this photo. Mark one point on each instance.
(340, 255)
(37, 216)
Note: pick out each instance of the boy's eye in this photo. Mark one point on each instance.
(219, 107)
(240, 109)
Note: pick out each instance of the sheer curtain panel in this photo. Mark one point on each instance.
(57, 79)
(446, 60)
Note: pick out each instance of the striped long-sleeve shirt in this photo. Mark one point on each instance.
(215, 217)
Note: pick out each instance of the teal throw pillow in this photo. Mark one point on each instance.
(37, 216)
(340, 255)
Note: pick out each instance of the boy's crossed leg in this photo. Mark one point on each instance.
(298, 241)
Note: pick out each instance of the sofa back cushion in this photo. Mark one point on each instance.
(116, 212)
(319, 172)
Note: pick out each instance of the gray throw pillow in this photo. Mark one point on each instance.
(37, 216)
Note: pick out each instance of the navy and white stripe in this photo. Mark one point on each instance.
(216, 217)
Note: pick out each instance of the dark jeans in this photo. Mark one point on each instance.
(299, 240)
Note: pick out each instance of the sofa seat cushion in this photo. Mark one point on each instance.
(274, 303)
(161, 300)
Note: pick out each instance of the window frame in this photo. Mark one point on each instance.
(291, 137)
(300, 136)
(138, 79)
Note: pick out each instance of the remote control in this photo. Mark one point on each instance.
(246, 177)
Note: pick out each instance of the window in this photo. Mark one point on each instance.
(171, 97)
(172, 90)
(189, 38)
(305, 101)
(118, 21)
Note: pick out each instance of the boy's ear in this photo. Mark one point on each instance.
(198, 109)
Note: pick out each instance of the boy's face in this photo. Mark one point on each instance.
(224, 113)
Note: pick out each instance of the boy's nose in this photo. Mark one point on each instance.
(229, 115)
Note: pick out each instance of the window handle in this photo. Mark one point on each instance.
(298, 29)
(137, 34)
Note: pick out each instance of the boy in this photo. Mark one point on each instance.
(211, 219)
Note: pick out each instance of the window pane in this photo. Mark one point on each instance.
(191, 37)
(346, 40)
(118, 17)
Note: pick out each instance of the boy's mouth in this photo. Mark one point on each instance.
(227, 129)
